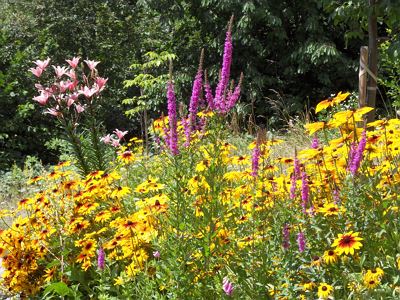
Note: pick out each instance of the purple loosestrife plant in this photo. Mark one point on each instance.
(315, 142)
(101, 259)
(227, 287)
(305, 190)
(358, 154)
(196, 90)
(226, 70)
(301, 242)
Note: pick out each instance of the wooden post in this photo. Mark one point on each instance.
(362, 77)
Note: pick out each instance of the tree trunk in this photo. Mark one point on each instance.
(373, 58)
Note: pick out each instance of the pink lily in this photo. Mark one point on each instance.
(53, 112)
(60, 71)
(120, 134)
(73, 62)
(115, 143)
(101, 82)
(71, 74)
(106, 139)
(79, 108)
(88, 92)
(42, 64)
(91, 64)
(36, 71)
(42, 98)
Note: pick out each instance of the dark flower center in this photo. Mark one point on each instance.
(324, 288)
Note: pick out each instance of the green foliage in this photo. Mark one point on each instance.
(150, 78)
(390, 69)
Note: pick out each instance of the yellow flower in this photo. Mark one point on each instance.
(203, 165)
(370, 283)
(324, 290)
(119, 280)
(331, 101)
(376, 274)
(331, 209)
(120, 192)
(314, 127)
(330, 257)
(308, 286)
(49, 274)
(347, 243)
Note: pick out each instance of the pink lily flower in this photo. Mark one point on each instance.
(53, 112)
(42, 98)
(71, 74)
(42, 64)
(91, 64)
(60, 71)
(88, 92)
(79, 108)
(36, 71)
(73, 62)
(115, 143)
(120, 134)
(64, 85)
(106, 139)
(101, 82)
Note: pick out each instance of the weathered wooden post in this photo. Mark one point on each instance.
(362, 77)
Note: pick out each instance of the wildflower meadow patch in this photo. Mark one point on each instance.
(198, 217)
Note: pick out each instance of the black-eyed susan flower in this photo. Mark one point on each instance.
(331, 209)
(324, 290)
(331, 101)
(126, 157)
(347, 243)
(330, 257)
(376, 273)
(370, 283)
(49, 274)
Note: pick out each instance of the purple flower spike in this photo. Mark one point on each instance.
(358, 154)
(101, 259)
(227, 287)
(305, 190)
(301, 241)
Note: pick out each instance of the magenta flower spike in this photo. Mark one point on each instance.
(315, 142)
(301, 241)
(226, 70)
(101, 259)
(305, 190)
(209, 96)
(227, 287)
(358, 154)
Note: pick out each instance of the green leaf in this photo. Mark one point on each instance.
(59, 288)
